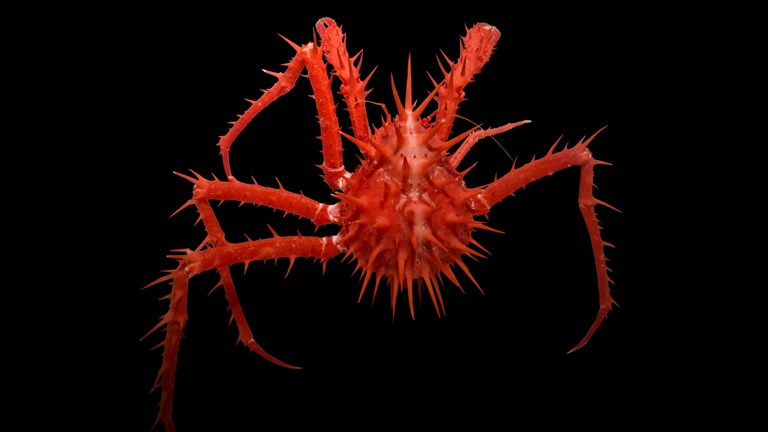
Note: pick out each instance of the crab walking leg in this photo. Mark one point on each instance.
(335, 174)
(475, 51)
(334, 45)
(192, 263)
(234, 190)
(291, 247)
(549, 164)
(174, 320)
(455, 159)
(311, 57)
(285, 82)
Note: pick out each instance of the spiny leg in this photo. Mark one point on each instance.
(477, 134)
(475, 50)
(213, 254)
(233, 190)
(549, 164)
(334, 45)
(311, 57)
(285, 82)
(334, 173)
(221, 258)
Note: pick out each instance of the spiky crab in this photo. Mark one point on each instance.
(405, 213)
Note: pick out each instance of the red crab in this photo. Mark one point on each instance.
(404, 214)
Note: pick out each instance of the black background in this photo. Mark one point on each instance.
(171, 82)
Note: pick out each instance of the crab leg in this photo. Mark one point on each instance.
(284, 84)
(221, 257)
(216, 252)
(234, 190)
(475, 50)
(519, 177)
(455, 159)
(311, 57)
(335, 174)
(334, 45)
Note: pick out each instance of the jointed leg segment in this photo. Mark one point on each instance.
(310, 56)
(217, 253)
(548, 165)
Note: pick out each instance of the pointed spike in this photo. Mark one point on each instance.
(451, 276)
(401, 258)
(457, 139)
(450, 79)
(366, 80)
(296, 47)
(367, 148)
(456, 244)
(440, 298)
(408, 87)
(400, 109)
(552, 149)
(463, 266)
(480, 225)
(376, 285)
(183, 206)
(351, 199)
(440, 65)
(462, 174)
(393, 300)
(290, 265)
(219, 284)
(184, 176)
(376, 251)
(162, 322)
(357, 55)
(274, 233)
(423, 105)
(431, 290)
(434, 160)
(429, 133)
(159, 280)
(365, 284)
(447, 59)
(605, 204)
(346, 255)
(414, 241)
(351, 66)
(479, 246)
(409, 284)
(589, 140)
(406, 169)
(277, 75)
(431, 237)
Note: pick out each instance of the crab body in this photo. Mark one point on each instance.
(406, 216)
